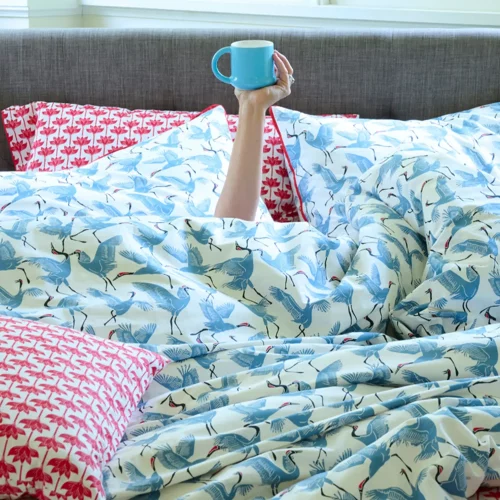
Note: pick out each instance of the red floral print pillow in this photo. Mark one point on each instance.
(65, 400)
(50, 136)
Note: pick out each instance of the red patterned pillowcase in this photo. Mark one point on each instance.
(66, 399)
(56, 136)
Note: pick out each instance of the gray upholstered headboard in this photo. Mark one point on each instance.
(376, 73)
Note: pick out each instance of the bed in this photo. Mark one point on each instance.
(278, 393)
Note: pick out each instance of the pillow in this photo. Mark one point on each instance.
(56, 136)
(444, 190)
(326, 156)
(66, 400)
(185, 167)
(51, 136)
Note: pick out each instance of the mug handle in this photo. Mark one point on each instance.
(215, 61)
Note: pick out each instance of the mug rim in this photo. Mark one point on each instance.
(251, 44)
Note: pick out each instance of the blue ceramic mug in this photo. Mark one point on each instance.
(252, 65)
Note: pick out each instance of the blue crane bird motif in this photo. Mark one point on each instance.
(139, 184)
(343, 294)
(203, 235)
(55, 227)
(400, 494)
(151, 266)
(235, 442)
(188, 376)
(282, 234)
(260, 310)
(112, 211)
(188, 187)
(284, 262)
(180, 458)
(271, 474)
(119, 307)
(192, 258)
(373, 285)
(334, 185)
(241, 270)
(9, 260)
(256, 413)
(20, 191)
(377, 455)
(94, 224)
(217, 490)
(294, 152)
(301, 315)
(167, 301)
(318, 274)
(58, 272)
(125, 333)
(70, 303)
(212, 163)
(384, 255)
(162, 209)
(18, 231)
(489, 248)
(246, 357)
(140, 482)
(458, 287)
(322, 140)
(459, 219)
(446, 195)
(98, 185)
(64, 193)
(429, 350)
(104, 260)
(422, 433)
(12, 301)
(167, 159)
(485, 355)
(216, 316)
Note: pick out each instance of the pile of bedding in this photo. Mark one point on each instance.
(295, 364)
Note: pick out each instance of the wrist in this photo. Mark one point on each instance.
(251, 107)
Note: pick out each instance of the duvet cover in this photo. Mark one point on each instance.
(303, 365)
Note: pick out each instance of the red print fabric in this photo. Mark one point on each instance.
(65, 400)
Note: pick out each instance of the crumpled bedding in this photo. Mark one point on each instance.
(281, 384)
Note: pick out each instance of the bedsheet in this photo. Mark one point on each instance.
(285, 380)
(99, 256)
(345, 417)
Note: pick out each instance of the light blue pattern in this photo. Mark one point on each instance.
(280, 385)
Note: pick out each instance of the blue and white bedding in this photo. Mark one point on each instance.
(296, 368)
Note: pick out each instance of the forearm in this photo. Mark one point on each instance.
(241, 192)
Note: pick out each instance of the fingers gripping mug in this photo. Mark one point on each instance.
(252, 65)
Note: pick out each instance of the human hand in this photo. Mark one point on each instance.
(267, 96)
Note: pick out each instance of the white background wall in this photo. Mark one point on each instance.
(244, 13)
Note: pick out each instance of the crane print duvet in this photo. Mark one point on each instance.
(303, 366)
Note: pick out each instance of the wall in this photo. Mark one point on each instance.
(241, 13)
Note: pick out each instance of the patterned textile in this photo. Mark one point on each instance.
(327, 157)
(283, 379)
(48, 137)
(66, 398)
(344, 417)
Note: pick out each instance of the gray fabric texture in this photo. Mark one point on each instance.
(377, 73)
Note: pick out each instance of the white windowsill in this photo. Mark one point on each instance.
(251, 13)
(292, 9)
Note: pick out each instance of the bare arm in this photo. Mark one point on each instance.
(241, 192)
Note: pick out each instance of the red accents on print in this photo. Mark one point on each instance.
(64, 407)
